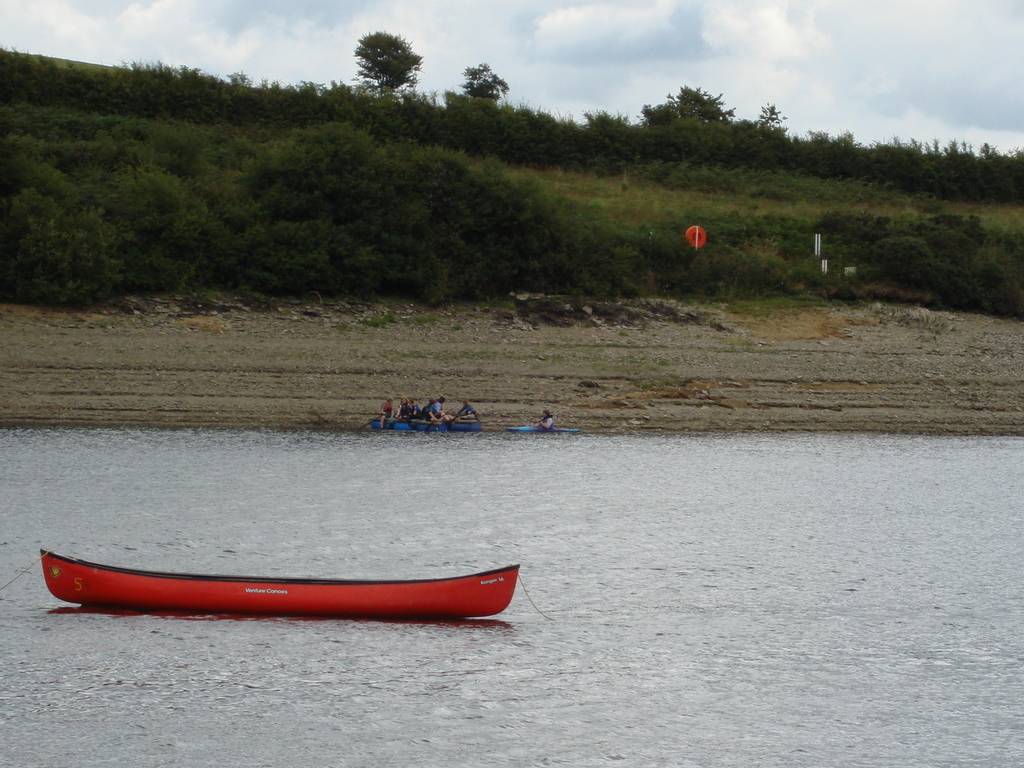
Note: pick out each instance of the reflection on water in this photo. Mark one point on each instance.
(798, 600)
(68, 610)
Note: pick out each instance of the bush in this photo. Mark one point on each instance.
(50, 255)
(515, 134)
(730, 273)
(907, 260)
(94, 205)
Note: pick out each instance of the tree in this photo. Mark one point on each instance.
(483, 83)
(690, 103)
(771, 117)
(387, 62)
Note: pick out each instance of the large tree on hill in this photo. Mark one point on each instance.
(387, 62)
(690, 103)
(482, 83)
(771, 117)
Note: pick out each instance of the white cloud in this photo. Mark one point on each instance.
(763, 31)
(52, 22)
(586, 23)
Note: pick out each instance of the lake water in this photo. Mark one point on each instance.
(718, 600)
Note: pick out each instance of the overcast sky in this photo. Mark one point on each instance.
(922, 69)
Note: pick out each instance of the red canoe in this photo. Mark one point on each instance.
(94, 585)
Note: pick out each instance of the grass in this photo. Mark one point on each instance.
(650, 385)
(772, 305)
(72, 64)
(739, 343)
(425, 319)
(643, 202)
(634, 199)
(379, 321)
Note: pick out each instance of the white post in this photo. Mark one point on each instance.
(817, 253)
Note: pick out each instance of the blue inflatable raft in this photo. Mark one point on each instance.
(425, 426)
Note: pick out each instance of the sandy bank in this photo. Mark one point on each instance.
(177, 362)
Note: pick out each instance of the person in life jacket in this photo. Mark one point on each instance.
(547, 421)
(466, 412)
(436, 411)
(405, 410)
(386, 411)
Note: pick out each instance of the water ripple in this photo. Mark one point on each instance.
(798, 600)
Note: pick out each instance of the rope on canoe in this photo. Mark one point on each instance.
(24, 569)
(527, 593)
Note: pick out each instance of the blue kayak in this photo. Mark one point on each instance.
(539, 431)
(424, 426)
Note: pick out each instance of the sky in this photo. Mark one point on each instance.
(881, 69)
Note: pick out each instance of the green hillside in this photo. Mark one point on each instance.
(146, 178)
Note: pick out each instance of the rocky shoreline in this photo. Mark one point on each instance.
(602, 366)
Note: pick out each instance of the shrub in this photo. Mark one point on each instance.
(52, 255)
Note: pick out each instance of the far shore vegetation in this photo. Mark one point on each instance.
(147, 178)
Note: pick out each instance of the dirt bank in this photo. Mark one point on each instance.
(602, 367)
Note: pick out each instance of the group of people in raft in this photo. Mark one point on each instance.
(434, 413)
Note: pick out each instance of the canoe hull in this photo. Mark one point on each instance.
(423, 426)
(95, 585)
